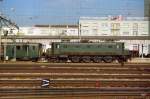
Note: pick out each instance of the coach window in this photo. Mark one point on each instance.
(57, 46)
(25, 47)
(18, 47)
(33, 47)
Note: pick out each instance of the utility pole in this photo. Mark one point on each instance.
(5, 45)
(79, 33)
(7, 23)
(142, 50)
(14, 47)
(0, 31)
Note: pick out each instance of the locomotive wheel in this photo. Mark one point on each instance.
(86, 59)
(108, 59)
(97, 59)
(63, 60)
(75, 59)
(120, 60)
(54, 60)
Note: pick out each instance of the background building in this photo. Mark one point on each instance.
(147, 8)
(114, 26)
(119, 26)
(50, 30)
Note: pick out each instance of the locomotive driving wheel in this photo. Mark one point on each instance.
(54, 60)
(75, 59)
(86, 59)
(108, 59)
(97, 59)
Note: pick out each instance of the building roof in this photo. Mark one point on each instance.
(84, 37)
(58, 26)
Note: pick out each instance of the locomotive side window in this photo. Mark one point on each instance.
(99, 46)
(65, 46)
(57, 46)
(77, 46)
(117, 46)
(110, 46)
(88, 46)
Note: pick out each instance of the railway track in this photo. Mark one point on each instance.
(76, 83)
(75, 70)
(80, 92)
(72, 75)
(130, 80)
(32, 64)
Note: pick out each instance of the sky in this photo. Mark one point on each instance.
(31, 12)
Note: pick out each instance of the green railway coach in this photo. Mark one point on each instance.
(24, 51)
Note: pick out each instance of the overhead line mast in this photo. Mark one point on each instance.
(4, 22)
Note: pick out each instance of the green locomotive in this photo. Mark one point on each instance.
(88, 52)
(22, 51)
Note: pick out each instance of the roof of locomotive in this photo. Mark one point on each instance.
(88, 42)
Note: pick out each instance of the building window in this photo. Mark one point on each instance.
(104, 25)
(125, 33)
(72, 31)
(135, 33)
(85, 31)
(95, 30)
(135, 26)
(115, 26)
